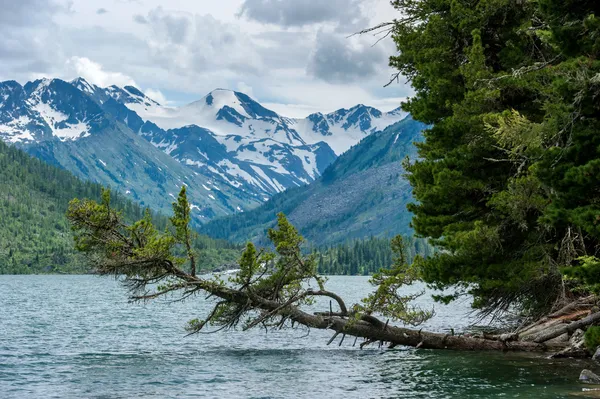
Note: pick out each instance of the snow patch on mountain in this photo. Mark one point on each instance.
(16, 131)
(235, 175)
(58, 122)
(309, 162)
(43, 110)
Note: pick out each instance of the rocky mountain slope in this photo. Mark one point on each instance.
(363, 193)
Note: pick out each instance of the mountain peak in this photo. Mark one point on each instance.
(135, 91)
(219, 98)
(84, 85)
(225, 100)
(130, 95)
(10, 83)
(7, 89)
(359, 106)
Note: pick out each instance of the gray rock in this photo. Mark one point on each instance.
(577, 337)
(596, 356)
(560, 339)
(588, 377)
(571, 352)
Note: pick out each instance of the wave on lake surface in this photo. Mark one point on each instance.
(78, 337)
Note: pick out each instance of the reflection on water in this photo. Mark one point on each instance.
(76, 336)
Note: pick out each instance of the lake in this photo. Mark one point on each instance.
(78, 337)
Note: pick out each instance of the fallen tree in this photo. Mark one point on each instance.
(273, 289)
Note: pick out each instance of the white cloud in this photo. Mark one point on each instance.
(245, 88)
(157, 96)
(94, 73)
(185, 53)
(189, 44)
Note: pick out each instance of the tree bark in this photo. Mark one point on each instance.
(371, 328)
(569, 328)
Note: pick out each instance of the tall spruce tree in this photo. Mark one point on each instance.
(507, 180)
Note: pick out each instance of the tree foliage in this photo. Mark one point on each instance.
(508, 179)
(387, 299)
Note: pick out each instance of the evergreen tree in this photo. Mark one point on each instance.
(507, 180)
(181, 221)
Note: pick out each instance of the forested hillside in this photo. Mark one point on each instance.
(363, 193)
(35, 236)
(366, 256)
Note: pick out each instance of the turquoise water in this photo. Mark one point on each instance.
(77, 337)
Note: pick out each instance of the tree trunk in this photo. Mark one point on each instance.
(373, 330)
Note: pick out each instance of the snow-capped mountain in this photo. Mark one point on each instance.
(65, 126)
(265, 153)
(230, 113)
(345, 127)
(45, 110)
(262, 158)
(235, 152)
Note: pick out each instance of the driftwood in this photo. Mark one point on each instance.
(569, 328)
(568, 310)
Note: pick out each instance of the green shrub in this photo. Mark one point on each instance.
(592, 338)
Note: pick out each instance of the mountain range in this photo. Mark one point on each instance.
(231, 152)
(362, 194)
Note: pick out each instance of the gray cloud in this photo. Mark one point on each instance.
(189, 43)
(27, 47)
(337, 59)
(29, 12)
(284, 49)
(140, 19)
(101, 11)
(304, 12)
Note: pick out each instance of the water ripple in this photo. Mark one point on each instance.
(77, 337)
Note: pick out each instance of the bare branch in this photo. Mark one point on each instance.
(371, 29)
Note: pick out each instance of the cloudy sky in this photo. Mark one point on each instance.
(291, 55)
